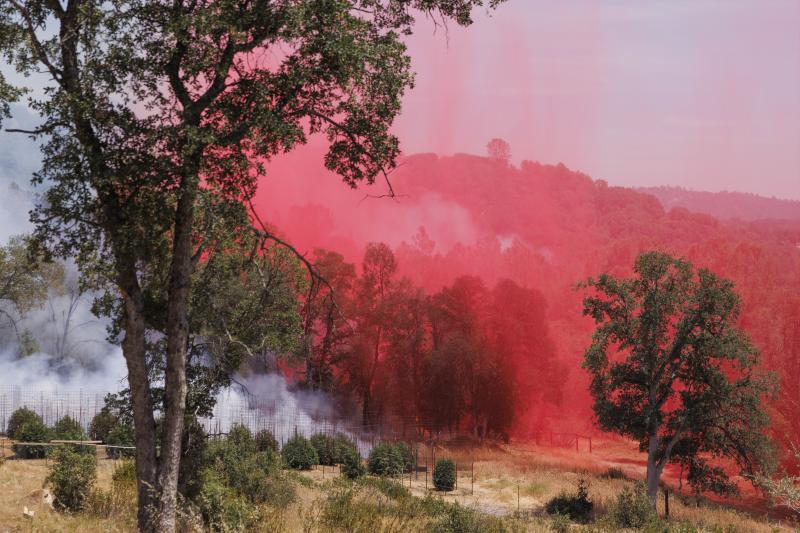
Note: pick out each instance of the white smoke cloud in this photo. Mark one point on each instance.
(74, 365)
(268, 403)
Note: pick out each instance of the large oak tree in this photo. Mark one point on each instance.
(671, 370)
(152, 108)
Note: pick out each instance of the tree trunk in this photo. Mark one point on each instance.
(177, 339)
(133, 348)
(653, 470)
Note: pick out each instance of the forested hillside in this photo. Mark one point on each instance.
(531, 233)
(727, 205)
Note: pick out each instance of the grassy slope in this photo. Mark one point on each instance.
(504, 477)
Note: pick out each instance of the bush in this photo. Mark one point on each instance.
(265, 441)
(33, 430)
(299, 454)
(458, 519)
(444, 475)
(615, 472)
(386, 459)
(388, 487)
(18, 419)
(342, 447)
(325, 446)
(67, 428)
(408, 458)
(632, 508)
(560, 523)
(352, 464)
(71, 476)
(120, 435)
(223, 509)
(576, 506)
(101, 425)
(241, 437)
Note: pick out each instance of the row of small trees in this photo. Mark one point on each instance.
(468, 357)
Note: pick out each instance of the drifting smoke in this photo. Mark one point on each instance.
(264, 401)
(73, 365)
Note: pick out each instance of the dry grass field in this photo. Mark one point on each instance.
(505, 481)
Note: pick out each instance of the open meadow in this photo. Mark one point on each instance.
(498, 488)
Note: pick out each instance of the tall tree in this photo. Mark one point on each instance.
(152, 106)
(373, 315)
(24, 282)
(326, 329)
(670, 369)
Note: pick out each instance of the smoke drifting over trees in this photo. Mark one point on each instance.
(542, 227)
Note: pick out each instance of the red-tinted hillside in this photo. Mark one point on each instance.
(727, 205)
(546, 227)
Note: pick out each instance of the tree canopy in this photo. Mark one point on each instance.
(157, 113)
(670, 368)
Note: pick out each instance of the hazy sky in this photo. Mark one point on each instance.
(699, 93)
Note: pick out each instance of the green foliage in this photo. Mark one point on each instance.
(26, 279)
(299, 454)
(444, 475)
(101, 425)
(632, 508)
(459, 519)
(352, 464)
(120, 435)
(32, 430)
(240, 437)
(71, 477)
(238, 477)
(136, 197)
(325, 445)
(18, 418)
(387, 459)
(681, 369)
(67, 428)
(332, 449)
(266, 442)
(576, 506)
(222, 508)
(388, 487)
(560, 523)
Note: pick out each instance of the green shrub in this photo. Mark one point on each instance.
(18, 418)
(241, 437)
(253, 475)
(71, 476)
(576, 506)
(560, 523)
(343, 445)
(386, 459)
(458, 519)
(325, 446)
(221, 508)
(444, 475)
(298, 453)
(632, 509)
(67, 428)
(387, 487)
(408, 458)
(352, 464)
(32, 430)
(120, 435)
(101, 425)
(265, 441)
